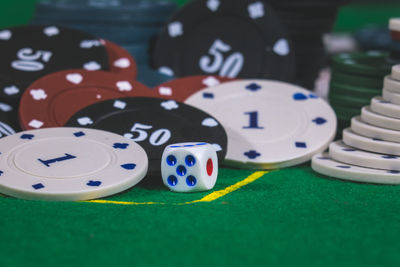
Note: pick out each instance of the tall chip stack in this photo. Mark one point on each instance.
(307, 21)
(370, 149)
(358, 76)
(133, 24)
(355, 78)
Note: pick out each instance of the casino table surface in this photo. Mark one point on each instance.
(285, 217)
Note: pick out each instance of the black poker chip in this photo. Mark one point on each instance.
(8, 123)
(153, 123)
(29, 52)
(230, 38)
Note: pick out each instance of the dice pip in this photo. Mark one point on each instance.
(189, 167)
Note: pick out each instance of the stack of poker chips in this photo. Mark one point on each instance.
(130, 23)
(307, 22)
(355, 78)
(370, 149)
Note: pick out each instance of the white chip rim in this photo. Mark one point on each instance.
(379, 120)
(391, 84)
(394, 24)
(277, 149)
(396, 72)
(323, 164)
(385, 108)
(391, 96)
(362, 128)
(341, 152)
(111, 164)
(350, 138)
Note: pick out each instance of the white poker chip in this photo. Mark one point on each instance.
(384, 107)
(391, 84)
(391, 96)
(350, 138)
(324, 164)
(269, 124)
(396, 72)
(68, 164)
(341, 152)
(362, 128)
(376, 119)
(394, 24)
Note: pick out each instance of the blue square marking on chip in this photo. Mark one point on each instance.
(27, 136)
(79, 134)
(93, 183)
(38, 186)
(120, 145)
(208, 95)
(301, 144)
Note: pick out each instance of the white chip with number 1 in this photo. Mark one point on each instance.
(67, 164)
(269, 124)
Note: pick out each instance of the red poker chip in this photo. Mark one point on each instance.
(180, 89)
(395, 35)
(51, 100)
(120, 60)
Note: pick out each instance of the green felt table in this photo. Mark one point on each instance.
(288, 217)
(285, 217)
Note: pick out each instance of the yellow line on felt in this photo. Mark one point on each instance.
(217, 194)
(208, 198)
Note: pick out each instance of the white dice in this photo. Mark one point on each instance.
(189, 167)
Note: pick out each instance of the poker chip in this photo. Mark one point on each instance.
(68, 164)
(29, 52)
(324, 164)
(51, 100)
(370, 144)
(8, 120)
(390, 96)
(391, 84)
(384, 107)
(345, 112)
(396, 72)
(356, 81)
(270, 124)
(181, 88)
(120, 12)
(151, 77)
(362, 128)
(341, 152)
(376, 119)
(202, 38)
(394, 24)
(120, 61)
(371, 63)
(153, 123)
(358, 92)
(349, 101)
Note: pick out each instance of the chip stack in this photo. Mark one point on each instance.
(394, 27)
(129, 23)
(355, 78)
(370, 149)
(307, 22)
